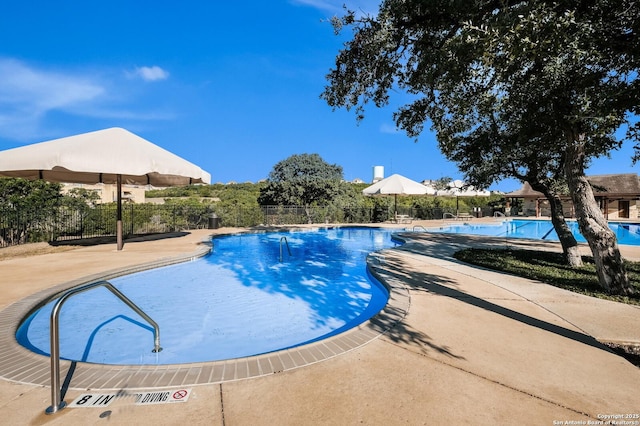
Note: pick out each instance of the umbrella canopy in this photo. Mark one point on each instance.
(396, 185)
(99, 157)
(458, 188)
(112, 155)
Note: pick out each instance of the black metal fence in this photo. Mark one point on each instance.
(62, 223)
(59, 224)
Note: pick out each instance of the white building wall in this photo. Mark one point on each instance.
(108, 192)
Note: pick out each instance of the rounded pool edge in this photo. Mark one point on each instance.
(19, 364)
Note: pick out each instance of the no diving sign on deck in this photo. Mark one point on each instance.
(162, 397)
(91, 400)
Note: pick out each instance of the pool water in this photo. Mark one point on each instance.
(626, 233)
(240, 300)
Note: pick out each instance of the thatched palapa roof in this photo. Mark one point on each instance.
(525, 192)
(625, 185)
(620, 185)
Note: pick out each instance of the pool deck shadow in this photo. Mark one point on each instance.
(457, 344)
(112, 240)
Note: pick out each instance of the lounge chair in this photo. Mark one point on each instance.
(402, 218)
(464, 216)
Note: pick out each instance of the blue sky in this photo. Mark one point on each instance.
(231, 86)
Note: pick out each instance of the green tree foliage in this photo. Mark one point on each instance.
(189, 210)
(36, 211)
(442, 183)
(243, 194)
(304, 180)
(530, 88)
(77, 204)
(26, 195)
(235, 203)
(81, 198)
(27, 206)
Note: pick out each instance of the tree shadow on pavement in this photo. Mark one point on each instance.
(391, 320)
(397, 268)
(403, 334)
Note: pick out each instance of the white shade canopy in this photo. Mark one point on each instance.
(112, 155)
(396, 185)
(99, 157)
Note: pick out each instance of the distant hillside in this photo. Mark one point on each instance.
(244, 194)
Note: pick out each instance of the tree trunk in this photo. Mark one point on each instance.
(567, 239)
(612, 273)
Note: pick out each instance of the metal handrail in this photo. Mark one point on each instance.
(498, 214)
(444, 216)
(54, 336)
(287, 244)
(419, 226)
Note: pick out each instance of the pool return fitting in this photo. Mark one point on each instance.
(54, 336)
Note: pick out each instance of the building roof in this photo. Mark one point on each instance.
(525, 192)
(616, 184)
(613, 185)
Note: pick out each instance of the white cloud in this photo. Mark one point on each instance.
(30, 95)
(388, 128)
(27, 94)
(320, 4)
(336, 6)
(154, 73)
(21, 86)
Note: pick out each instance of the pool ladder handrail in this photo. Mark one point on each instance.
(287, 244)
(419, 227)
(54, 336)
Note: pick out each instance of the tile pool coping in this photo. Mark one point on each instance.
(18, 364)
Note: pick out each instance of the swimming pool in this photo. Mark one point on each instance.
(239, 301)
(627, 233)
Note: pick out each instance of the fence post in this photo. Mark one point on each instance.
(131, 209)
(174, 219)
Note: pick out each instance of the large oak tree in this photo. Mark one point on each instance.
(302, 180)
(557, 77)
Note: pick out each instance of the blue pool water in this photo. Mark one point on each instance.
(627, 233)
(241, 300)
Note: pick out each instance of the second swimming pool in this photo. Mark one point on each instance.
(250, 296)
(626, 233)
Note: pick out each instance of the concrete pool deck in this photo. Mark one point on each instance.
(474, 347)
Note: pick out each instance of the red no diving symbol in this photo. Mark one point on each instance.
(180, 394)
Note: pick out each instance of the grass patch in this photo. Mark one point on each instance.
(550, 268)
